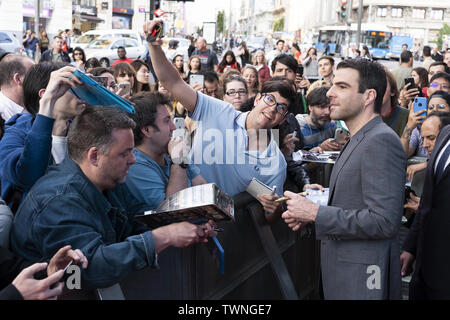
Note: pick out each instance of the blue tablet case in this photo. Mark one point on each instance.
(94, 94)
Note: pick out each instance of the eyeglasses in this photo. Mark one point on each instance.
(271, 101)
(77, 54)
(439, 85)
(439, 106)
(233, 92)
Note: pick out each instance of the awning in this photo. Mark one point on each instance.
(84, 17)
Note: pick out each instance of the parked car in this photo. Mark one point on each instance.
(105, 50)
(10, 43)
(86, 38)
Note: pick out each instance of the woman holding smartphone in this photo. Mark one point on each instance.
(125, 77)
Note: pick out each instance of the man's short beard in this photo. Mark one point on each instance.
(318, 123)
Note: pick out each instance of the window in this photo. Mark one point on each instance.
(381, 12)
(4, 38)
(418, 13)
(397, 12)
(437, 14)
(129, 43)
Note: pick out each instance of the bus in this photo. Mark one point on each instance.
(372, 35)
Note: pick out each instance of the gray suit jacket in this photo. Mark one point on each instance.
(360, 254)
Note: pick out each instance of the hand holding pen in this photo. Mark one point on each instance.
(268, 201)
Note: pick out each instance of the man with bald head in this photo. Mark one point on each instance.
(208, 58)
(12, 72)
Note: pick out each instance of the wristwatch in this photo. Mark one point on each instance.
(182, 162)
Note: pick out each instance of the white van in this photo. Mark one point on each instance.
(89, 36)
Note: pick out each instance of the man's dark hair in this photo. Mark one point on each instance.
(37, 78)
(287, 60)
(405, 56)
(209, 76)
(371, 76)
(405, 44)
(426, 51)
(146, 106)
(94, 128)
(284, 88)
(92, 63)
(318, 96)
(280, 40)
(439, 63)
(329, 58)
(439, 75)
(96, 72)
(441, 94)
(11, 65)
(121, 48)
(444, 117)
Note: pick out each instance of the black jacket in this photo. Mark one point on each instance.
(429, 237)
(10, 266)
(47, 56)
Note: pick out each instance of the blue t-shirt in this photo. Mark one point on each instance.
(416, 144)
(313, 136)
(220, 148)
(148, 180)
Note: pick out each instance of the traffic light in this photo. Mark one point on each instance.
(343, 13)
(157, 4)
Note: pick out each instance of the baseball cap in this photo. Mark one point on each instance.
(173, 43)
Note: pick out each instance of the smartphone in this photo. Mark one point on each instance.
(157, 32)
(180, 129)
(411, 82)
(339, 135)
(103, 81)
(125, 86)
(300, 70)
(198, 79)
(420, 103)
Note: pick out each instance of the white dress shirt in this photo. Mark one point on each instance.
(8, 108)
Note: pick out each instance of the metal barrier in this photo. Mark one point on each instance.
(261, 262)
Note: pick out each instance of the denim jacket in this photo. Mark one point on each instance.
(64, 207)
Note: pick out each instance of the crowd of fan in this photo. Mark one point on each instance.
(73, 174)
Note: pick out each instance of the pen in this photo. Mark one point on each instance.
(274, 189)
(303, 194)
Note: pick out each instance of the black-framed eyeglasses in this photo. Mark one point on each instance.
(241, 92)
(271, 101)
(439, 106)
(77, 53)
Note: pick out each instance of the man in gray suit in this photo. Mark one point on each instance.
(360, 256)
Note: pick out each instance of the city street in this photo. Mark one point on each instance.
(198, 152)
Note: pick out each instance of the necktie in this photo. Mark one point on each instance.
(441, 165)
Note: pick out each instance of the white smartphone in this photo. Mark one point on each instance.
(198, 79)
(180, 129)
(339, 135)
(125, 86)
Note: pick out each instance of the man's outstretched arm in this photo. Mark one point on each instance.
(167, 73)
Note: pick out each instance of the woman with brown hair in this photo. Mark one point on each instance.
(125, 77)
(142, 73)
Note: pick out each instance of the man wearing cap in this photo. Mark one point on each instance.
(172, 50)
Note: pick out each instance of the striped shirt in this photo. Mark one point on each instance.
(313, 136)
